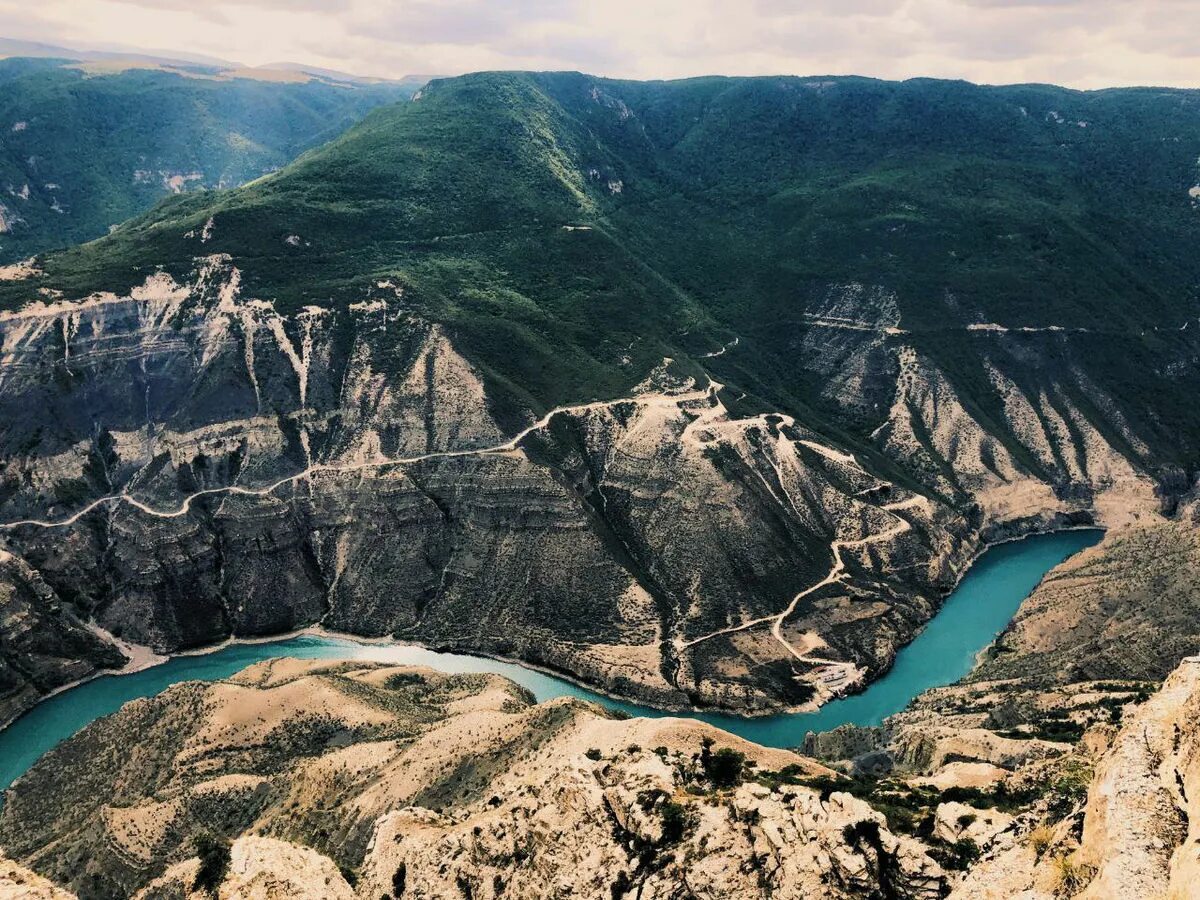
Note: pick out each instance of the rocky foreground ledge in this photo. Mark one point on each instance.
(340, 780)
(347, 780)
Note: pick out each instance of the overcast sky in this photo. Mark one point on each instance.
(1081, 43)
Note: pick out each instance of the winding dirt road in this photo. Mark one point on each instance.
(708, 420)
(506, 447)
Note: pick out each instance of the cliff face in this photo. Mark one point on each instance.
(550, 415)
(45, 646)
(1139, 833)
(341, 780)
(208, 466)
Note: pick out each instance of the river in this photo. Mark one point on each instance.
(978, 609)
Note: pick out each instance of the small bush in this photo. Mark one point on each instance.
(956, 857)
(1073, 876)
(964, 851)
(1040, 839)
(214, 862)
(592, 754)
(862, 831)
(677, 821)
(725, 768)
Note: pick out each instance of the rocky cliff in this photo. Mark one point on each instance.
(345, 780)
(45, 646)
(1132, 835)
(209, 466)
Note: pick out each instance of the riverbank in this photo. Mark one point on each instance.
(142, 657)
(985, 600)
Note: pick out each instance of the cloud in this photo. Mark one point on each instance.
(1084, 43)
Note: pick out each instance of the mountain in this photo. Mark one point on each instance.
(85, 145)
(337, 75)
(703, 392)
(11, 47)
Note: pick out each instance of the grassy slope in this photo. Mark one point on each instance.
(740, 202)
(83, 138)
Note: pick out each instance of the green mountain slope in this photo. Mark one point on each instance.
(719, 207)
(82, 150)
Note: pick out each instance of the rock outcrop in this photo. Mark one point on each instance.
(1134, 836)
(1140, 836)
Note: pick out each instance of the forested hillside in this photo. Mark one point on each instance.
(86, 145)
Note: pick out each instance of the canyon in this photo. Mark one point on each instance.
(353, 464)
(617, 380)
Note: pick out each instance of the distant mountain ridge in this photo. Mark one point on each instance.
(11, 48)
(85, 145)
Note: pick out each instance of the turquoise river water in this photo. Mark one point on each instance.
(978, 609)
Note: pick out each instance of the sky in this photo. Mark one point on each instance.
(1078, 43)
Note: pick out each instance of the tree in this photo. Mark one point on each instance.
(724, 768)
(214, 855)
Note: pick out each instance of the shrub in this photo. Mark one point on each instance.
(1040, 839)
(864, 830)
(1070, 787)
(677, 821)
(592, 754)
(964, 851)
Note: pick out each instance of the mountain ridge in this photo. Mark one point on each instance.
(83, 146)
